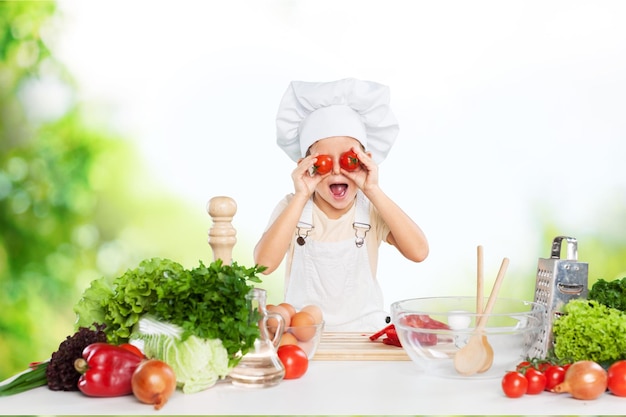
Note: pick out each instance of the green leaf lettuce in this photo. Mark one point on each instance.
(589, 330)
(208, 302)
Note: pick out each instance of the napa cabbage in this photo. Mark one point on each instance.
(198, 363)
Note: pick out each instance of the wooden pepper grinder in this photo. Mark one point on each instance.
(222, 235)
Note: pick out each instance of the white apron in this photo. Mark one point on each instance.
(336, 276)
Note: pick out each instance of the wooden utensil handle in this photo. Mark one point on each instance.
(494, 293)
(479, 280)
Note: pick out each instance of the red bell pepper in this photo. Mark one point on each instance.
(107, 370)
(132, 348)
(423, 321)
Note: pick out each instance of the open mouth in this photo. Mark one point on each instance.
(338, 190)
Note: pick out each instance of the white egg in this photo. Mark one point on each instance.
(459, 319)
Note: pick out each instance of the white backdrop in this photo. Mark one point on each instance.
(511, 112)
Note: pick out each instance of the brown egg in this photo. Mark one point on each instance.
(288, 339)
(314, 311)
(303, 326)
(291, 309)
(272, 323)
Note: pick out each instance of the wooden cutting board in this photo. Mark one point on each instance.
(349, 346)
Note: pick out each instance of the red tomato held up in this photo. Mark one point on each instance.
(617, 378)
(323, 165)
(536, 381)
(514, 384)
(349, 161)
(294, 360)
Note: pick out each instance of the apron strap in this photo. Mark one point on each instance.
(361, 223)
(305, 224)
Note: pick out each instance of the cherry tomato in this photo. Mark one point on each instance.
(294, 360)
(522, 366)
(132, 348)
(349, 161)
(514, 384)
(323, 165)
(555, 374)
(543, 366)
(617, 378)
(536, 381)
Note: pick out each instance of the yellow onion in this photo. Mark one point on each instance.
(153, 382)
(584, 380)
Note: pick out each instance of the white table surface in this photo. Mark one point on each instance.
(329, 388)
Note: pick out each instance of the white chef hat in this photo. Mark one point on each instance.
(310, 111)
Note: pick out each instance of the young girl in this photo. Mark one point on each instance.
(331, 226)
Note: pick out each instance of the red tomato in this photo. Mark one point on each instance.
(349, 161)
(617, 378)
(514, 384)
(543, 366)
(536, 381)
(522, 366)
(294, 360)
(323, 165)
(555, 374)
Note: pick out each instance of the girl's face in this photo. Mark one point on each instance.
(335, 194)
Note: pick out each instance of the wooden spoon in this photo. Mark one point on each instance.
(479, 309)
(490, 302)
(474, 356)
(475, 350)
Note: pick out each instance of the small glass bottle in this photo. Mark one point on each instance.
(260, 367)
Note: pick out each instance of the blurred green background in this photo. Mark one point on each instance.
(77, 203)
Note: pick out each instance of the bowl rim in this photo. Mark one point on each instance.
(537, 308)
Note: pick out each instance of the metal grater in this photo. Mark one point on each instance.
(558, 281)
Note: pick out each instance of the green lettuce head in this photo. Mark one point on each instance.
(198, 363)
(589, 330)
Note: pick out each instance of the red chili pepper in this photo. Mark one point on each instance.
(383, 331)
(106, 370)
(392, 342)
(391, 336)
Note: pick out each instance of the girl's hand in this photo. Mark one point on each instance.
(304, 184)
(366, 177)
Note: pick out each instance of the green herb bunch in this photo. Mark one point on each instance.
(610, 293)
(207, 301)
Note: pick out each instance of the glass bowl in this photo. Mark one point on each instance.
(432, 330)
(307, 337)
